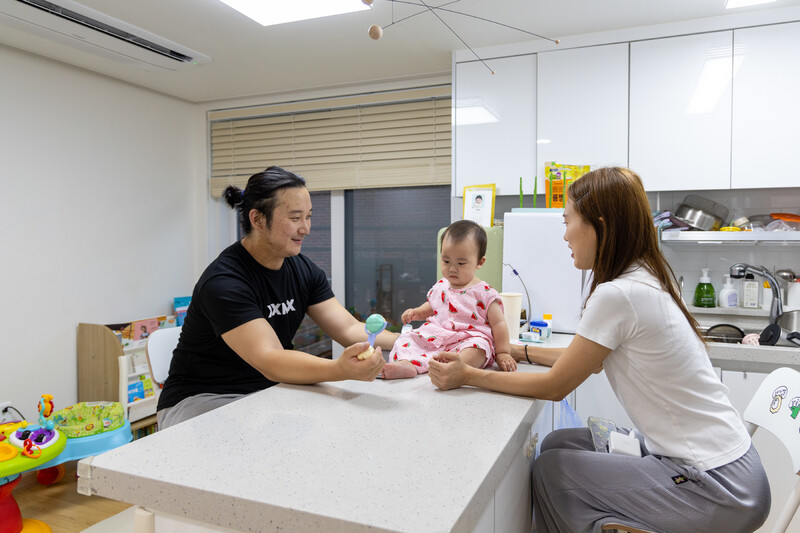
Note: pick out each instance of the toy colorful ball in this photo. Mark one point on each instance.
(375, 32)
(375, 323)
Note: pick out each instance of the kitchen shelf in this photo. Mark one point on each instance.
(731, 311)
(728, 238)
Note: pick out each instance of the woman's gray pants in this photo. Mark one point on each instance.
(577, 489)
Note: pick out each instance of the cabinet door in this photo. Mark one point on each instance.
(582, 111)
(766, 107)
(680, 125)
(495, 123)
(595, 397)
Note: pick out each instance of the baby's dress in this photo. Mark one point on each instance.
(459, 321)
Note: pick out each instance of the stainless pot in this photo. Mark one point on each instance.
(790, 324)
(697, 218)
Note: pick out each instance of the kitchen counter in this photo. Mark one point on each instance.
(746, 358)
(349, 456)
(739, 357)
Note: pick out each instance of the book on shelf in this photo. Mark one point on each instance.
(134, 334)
(135, 391)
(140, 388)
(147, 384)
(181, 305)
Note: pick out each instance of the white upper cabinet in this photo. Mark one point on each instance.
(680, 111)
(582, 114)
(766, 106)
(495, 123)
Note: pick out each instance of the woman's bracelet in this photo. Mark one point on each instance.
(526, 354)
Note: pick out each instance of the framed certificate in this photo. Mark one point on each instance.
(479, 204)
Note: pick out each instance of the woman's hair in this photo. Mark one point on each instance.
(613, 201)
(261, 193)
(465, 229)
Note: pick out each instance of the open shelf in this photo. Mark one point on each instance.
(745, 238)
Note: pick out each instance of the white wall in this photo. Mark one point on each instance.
(103, 206)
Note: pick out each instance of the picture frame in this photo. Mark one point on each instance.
(479, 203)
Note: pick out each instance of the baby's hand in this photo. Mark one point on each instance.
(505, 362)
(409, 315)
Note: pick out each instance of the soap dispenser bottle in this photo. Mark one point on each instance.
(750, 292)
(728, 296)
(704, 293)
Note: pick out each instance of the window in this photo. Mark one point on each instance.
(390, 256)
(317, 246)
(378, 166)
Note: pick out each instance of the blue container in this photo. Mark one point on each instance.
(537, 326)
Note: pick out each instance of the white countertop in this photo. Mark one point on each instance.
(740, 357)
(748, 358)
(349, 456)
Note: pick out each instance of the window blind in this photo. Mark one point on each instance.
(391, 139)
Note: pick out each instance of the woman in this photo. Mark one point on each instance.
(247, 306)
(699, 471)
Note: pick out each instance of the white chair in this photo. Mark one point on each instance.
(776, 407)
(160, 345)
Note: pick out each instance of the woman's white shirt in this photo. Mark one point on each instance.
(661, 373)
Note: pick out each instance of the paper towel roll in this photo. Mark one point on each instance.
(512, 307)
(792, 294)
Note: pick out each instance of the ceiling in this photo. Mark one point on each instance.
(248, 59)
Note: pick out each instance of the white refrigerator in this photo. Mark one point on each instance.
(534, 247)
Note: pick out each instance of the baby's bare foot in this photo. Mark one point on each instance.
(399, 370)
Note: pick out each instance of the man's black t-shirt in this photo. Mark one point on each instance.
(233, 290)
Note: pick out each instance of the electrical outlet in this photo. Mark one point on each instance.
(5, 414)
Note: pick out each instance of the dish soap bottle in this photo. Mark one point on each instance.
(728, 296)
(704, 293)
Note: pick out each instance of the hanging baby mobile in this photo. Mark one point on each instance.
(376, 31)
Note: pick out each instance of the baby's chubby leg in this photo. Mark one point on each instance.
(473, 357)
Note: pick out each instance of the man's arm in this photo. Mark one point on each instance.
(343, 327)
(256, 342)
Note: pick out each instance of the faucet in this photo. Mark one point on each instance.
(739, 270)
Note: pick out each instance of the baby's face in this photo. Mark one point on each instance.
(460, 261)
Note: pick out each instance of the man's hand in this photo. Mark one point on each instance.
(361, 369)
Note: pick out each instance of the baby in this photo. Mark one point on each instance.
(462, 314)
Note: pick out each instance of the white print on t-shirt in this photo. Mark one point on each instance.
(281, 308)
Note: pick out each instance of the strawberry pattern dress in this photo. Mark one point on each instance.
(459, 321)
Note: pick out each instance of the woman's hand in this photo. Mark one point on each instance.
(448, 371)
(362, 370)
(505, 362)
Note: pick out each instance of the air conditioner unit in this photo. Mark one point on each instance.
(67, 22)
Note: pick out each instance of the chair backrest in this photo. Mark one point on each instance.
(776, 407)
(160, 345)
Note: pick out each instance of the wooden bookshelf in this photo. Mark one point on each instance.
(98, 368)
(102, 367)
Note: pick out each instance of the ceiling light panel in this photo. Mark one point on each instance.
(271, 13)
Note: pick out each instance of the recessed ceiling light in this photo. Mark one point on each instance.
(271, 13)
(732, 4)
